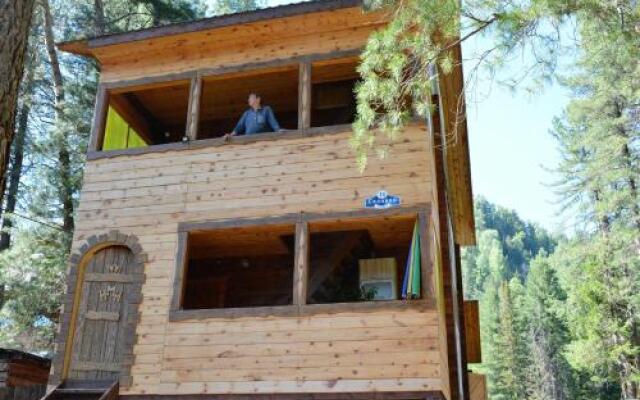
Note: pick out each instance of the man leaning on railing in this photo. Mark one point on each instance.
(257, 119)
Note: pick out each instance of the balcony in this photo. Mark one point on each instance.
(307, 98)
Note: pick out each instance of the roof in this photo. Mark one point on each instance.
(11, 354)
(83, 46)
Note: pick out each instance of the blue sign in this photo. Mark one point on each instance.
(382, 199)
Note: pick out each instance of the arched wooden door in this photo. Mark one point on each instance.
(103, 314)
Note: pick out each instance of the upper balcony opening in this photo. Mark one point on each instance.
(144, 116)
(332, 98)
(300, 96)
(224, 98)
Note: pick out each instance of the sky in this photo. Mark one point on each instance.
(511, 148)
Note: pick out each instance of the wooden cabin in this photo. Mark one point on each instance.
(23, 376)
(266, 265)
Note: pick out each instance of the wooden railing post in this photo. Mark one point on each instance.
(193, 114)
(304, 96)
(99, 119)
(301, 266)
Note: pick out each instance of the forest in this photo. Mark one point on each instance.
(560, 313)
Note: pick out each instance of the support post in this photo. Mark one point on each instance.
(193, 114)
(99, 119)
(304, 96)
(301, 266)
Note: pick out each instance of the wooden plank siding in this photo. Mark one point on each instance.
(322, 32)
(150, 194)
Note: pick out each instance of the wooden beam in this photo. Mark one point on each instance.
(304, 96)
(99, 119)
(301, 267)
(180, 271)
(304, 310)
(399, 395)
(234, 140)
(103, 315)
(294, 217)
(193, 114)
(456, 354)
(477, 386)
(251, 67)
(472, 331)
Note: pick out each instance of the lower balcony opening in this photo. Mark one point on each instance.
(362, 260)
(239, 267)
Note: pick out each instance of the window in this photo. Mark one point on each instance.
(262, 268)
(139, 117)
(239, 267)
(332, 92)
(224, 98)
(361, 259)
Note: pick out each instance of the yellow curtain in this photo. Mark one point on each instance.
(119, 134)
(135, 140)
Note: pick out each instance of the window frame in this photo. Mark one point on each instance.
(299, 306)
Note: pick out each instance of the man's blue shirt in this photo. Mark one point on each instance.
(257, 121)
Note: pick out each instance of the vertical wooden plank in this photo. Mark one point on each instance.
(477, 386)
(472, 331)
(304, 96)
(180, 271)
(99, 118)
(193, 114)
(301, 266)
(428, 286)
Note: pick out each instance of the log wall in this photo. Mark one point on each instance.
(148, 195)
(257, 42)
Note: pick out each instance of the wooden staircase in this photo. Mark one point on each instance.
(75, 389)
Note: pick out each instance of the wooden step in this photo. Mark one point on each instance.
(84, 390)
(80, 391)
(86, 384)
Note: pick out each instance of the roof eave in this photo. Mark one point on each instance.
(85, 46)
(79, 47)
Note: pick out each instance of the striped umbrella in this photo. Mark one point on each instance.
(411, 281)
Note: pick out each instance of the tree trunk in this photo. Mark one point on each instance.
(100, 24)
(65, 190)
(15, 21)
(16, 166)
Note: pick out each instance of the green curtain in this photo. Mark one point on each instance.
(119, 134)
(411, 282)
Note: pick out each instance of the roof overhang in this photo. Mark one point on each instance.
(85, 47)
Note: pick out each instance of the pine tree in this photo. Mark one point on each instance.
(551, 376)
(598, 137)
(504, 339)
(59, 111)
(15, 20)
